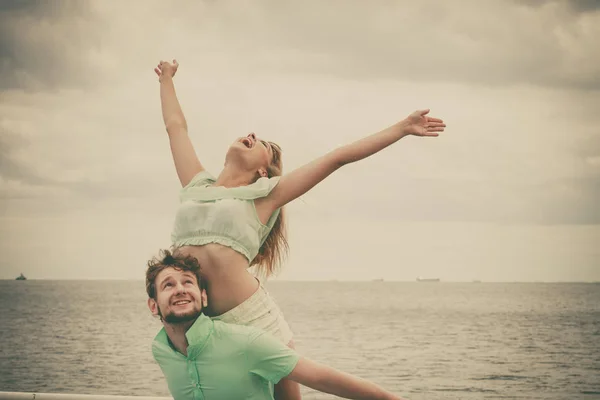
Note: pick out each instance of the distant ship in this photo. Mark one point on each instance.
(419, 279)
(21, 277)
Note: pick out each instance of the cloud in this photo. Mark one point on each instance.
(486, 43)
(11, 168)
(45, 45)
(577, 6)
(70, 143)
(585, 5)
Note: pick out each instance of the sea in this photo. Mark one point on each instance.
(420, 340)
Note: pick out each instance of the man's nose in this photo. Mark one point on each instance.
(180, 288)
(252, 135)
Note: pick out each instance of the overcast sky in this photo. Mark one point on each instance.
(510, 192)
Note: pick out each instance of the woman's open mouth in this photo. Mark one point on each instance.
(248, 142)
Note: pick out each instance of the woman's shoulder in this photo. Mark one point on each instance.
(202, 178)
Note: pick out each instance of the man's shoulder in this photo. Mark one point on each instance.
(161, 350)
(161, 337)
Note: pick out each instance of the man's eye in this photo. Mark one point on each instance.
(168, 284)
(189, 281)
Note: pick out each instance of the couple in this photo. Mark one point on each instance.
(238, 345)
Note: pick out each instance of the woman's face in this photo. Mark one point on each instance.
(255, 154)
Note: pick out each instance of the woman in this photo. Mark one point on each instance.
(235, 221)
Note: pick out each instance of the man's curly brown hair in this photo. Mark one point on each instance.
(167, 259)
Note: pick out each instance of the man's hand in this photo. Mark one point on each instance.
(167, 69)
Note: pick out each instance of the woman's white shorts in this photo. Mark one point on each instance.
(260, 311)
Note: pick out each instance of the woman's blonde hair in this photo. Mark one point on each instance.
(273, 251)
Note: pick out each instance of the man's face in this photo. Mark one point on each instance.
(178, 297)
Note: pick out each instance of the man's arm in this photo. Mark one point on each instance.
(329, 380)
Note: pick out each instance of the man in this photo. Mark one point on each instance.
(206, 359)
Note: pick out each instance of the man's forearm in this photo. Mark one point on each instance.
(329, 380)
(352, 387)
(171, 110)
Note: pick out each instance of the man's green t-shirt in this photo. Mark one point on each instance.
(224, 362)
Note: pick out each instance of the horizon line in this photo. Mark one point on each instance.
(374, 280)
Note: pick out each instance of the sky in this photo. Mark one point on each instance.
(509, 192)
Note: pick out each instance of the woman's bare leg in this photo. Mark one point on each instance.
(287, 389)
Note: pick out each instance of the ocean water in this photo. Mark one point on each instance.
(419, 340)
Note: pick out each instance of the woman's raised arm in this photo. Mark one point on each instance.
(301, 180)
(186, 161)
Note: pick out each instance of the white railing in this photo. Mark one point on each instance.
(63, 396)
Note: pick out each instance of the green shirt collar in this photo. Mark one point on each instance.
(197, 335)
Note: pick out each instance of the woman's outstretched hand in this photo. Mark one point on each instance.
(165, 68)
(419, 124)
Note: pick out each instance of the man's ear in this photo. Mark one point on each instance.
(263, 172)
(204, 298)
(153, 307)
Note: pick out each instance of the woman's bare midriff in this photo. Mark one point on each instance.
(225, 273)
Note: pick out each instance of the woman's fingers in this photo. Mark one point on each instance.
(436, 124)
(435, 129)
(429, 132)
(431, 119)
